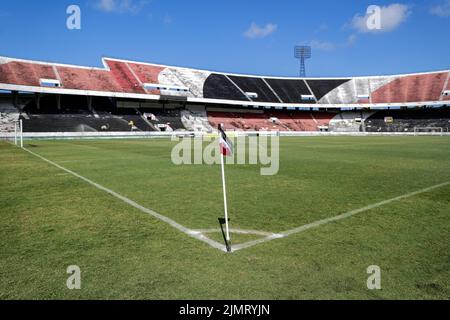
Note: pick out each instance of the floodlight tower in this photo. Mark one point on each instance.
(302, 53)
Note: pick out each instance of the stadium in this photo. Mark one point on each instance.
(156, 98)
(90, 185)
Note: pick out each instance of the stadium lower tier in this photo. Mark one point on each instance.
(104, 115)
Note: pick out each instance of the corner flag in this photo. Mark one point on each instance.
(226, 149)
(226, 146)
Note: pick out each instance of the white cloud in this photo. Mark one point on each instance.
(323, 27)
(322, 45)
(331, 46)
(351, 40)
(256, 31)
(121, 6)
(442, 10)
(391, 17)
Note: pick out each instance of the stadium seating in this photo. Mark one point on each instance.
(255, 85)
(87, 79)
(290, 91)
(146, 74)
(196, 121)
(187, 78)
(126, 95)
(218, 86)
(8, 114)
(229, 120)
(121, 78)
(407, 120)
(296, 120)
(349, 92)
(74, 123)
(414, 88)
(322, 119)
(447, 89)
(164, 119)
(349, 121)
(125, 78)
(239, 120)
(272, 120)
(26, 74)
(74, 116)
(322, 87)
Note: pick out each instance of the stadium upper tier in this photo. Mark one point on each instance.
(136, 80)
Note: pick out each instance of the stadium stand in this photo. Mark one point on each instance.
(290, 91)
(354, 91)
(128, 79)
(349, 121)
(255, 85)
(8, 114)
(243, 120)
(147, 74)
(196, 120)
(74, 116)
(124, 77)
(407, 120)
(321, 87)
(218, 86)
(260, 122)
(23, 73)
(135, 119)
(73, 123)
(188, 78)
(446, 92)
(229, 120)
(414, 88)
(322, 119)
(303, 120)
(272, 120)
(87, 79)
(164, 119)
(126, 95)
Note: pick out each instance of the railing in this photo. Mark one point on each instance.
(148, 135)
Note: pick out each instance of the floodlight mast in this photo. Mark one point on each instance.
(302, 53)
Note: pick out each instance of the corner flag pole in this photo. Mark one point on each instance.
(21, 133)
(225, 199)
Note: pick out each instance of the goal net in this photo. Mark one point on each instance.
(428, 131)
(12, 132)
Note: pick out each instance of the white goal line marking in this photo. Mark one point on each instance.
(192, 233)
(336, 218)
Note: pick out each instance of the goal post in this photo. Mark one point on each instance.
(14, 133)
(428, 131)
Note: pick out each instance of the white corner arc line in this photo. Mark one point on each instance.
(336, 218)
(192, 233)
(237, 231)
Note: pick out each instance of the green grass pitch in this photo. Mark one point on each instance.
(50, 219)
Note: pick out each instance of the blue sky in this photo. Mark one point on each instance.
(251, 36)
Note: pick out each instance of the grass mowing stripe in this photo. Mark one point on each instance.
(336, 218)
(176, 225)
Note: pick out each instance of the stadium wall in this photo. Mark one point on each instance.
(168, 135)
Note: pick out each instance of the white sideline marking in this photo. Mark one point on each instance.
(336, 218)
(192, 233)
